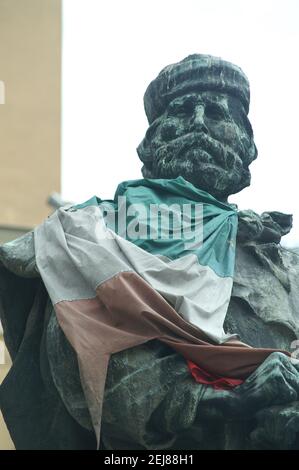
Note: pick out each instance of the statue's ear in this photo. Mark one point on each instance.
(144, 152)
(144, 149)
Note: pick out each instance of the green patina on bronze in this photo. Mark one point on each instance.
(198, 128)
(197, 110)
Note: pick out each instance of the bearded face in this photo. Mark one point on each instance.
(206, 138)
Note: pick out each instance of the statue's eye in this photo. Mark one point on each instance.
(181, 109)
(213, 111)
(152, 129)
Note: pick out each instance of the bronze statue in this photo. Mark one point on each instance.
(198, 128)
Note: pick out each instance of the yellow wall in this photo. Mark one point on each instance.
(30, 55)
(30, 69)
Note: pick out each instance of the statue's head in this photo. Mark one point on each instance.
(198, 126)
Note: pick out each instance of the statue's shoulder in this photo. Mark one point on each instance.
(18, 256)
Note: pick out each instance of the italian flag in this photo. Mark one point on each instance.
(156, 262)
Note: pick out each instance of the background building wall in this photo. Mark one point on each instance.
(30, 56)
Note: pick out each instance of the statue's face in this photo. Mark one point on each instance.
(206, 138)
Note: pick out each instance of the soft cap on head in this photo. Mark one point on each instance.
(197, 72)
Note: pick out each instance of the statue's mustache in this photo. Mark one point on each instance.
(201, 142)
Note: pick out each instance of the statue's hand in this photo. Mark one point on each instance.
(268, 227)
(250, 226)
(277, 222)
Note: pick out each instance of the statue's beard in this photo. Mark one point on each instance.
(202, 160)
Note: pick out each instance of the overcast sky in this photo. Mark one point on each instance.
(112, 49)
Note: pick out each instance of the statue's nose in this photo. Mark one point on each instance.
(199, 118)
